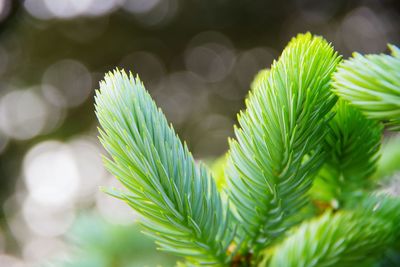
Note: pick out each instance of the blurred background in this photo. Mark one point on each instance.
(196, 57)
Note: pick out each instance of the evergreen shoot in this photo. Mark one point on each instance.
(298, 186)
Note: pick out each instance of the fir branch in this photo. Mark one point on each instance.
(372, 84)
(279, 145)
(182, 208)
(352, 149)
(346, 238)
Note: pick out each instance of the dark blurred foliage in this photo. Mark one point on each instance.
(197, 59)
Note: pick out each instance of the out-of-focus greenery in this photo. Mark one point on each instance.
(98, 243)
(389, 162)
(218, 170)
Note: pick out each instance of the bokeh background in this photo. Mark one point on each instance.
(197, 59)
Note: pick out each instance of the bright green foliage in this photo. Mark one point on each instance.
(279, 145)
(352, 145)
(290, 133)
(372, 84)
(182, 208)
